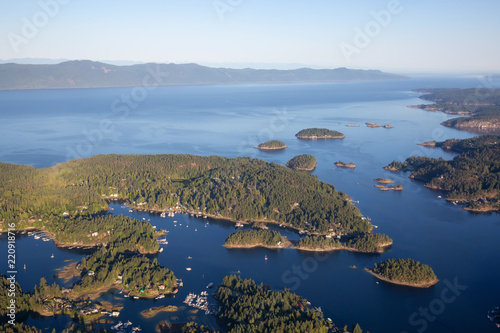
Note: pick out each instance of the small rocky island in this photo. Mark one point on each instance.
(407, 272)
(341, 164)
(398, 187)
(373, 125)
(272, 145)
(319, 133)
(384, 180)
(303, 162)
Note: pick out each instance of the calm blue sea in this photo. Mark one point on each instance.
(46, 127)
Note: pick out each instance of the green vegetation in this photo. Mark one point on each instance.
(302, 162)
(121, 232)
(46, 301)
(368, 243)
(472, 177)
(249, 238)
(405, 271)
(239, 188)
(483, 110)
(139, 275)
(18, 328)
(318, 243)
(319, 133)
(248, 307)
(272, 145)
(193, 327)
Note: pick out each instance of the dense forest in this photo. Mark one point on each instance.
(302, 162)
(405, 271)
(248, 307)
(318, 242)
(319, 133)
(255, 237)
(239, 188)
(272, 144)
(472, 177)
(121, 232)
(482, 108)
(136, 274)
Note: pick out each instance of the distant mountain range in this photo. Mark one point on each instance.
(90, 74)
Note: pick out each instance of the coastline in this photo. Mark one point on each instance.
(286, 244)
(414, 285)
(270, 148)
(381, 249)
(325, 137)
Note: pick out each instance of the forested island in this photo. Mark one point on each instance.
(256, 238)
(341, 164)
(65, 198)
(248, 307)
(366, 243)
(482, 110)
(472, 178)
(319, 133)
(406, 272)
(272, 145)
(304, 162)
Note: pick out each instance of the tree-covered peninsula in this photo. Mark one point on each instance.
(366, 243)
(272, 145)
(302, 162)
(319, 133)
(69, 194)
(406, 272)
(256, 238)
(471, 178)
(248, 307)
(481, 110)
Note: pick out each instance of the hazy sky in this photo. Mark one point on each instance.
(405, 35)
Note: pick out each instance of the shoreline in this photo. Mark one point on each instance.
(286, 244)
(381, 249)
(325, 137)
(270, 148)
(414, 285)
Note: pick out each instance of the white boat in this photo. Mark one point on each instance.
(52, 256)
(37, 237)
(126, 295)
(188, 268)
(136, 297)
(160, 250)
(45, 239)
(160, 297)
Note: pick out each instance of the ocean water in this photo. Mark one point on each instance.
(46, 127)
